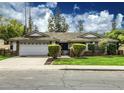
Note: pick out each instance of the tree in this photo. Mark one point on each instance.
(51, 24)
(57, 23)
(113, 25)
(102, 44)
(30, 24)
(10, 28)
(64, 25)
(36, 28)
(114, 34)
(121, 38)
(58, 20)
(80, 26)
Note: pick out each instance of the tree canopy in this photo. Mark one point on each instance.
(116, 34)
(57, 23)
(121, 38)
(10, 28)
(80, 26)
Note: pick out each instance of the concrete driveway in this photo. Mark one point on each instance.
(23, 63)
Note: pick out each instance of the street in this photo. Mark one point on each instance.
(61, 80)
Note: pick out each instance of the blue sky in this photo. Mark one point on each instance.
(97, 16)
(67, 7)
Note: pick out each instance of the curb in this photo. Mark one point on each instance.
(66, 67)
(85, 68)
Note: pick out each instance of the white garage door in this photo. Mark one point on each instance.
(33, 49)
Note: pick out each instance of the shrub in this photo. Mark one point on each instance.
(78, 48)
(91, 47)
(111, 49)
(102, 44)
(54, 50)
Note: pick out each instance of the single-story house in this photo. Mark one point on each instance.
(36, 43)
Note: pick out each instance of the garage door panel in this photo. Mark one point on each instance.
(29, 49)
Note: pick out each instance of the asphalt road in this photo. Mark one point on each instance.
(61, 80)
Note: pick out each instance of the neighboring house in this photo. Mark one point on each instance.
(3, 46)
(1, 42)
(121, 49)
(36, 43)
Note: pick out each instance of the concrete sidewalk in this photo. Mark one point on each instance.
(63, 67)
(79, 67)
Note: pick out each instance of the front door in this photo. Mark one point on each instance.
(64, 48)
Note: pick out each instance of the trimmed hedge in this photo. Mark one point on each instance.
(78, 48)
(54, 50)
(111, 49)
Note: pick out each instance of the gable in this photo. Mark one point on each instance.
(37, 34)
(90, 35)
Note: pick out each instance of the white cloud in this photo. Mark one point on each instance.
(96, 22)
(101, 22)
(119, 21)
(40, 13)
(51, 4)
(72, 21)
(41, 20)
(12, 10)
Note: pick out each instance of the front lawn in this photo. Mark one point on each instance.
(3, 57)
(93, 60)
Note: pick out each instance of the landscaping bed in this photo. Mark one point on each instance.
(49, 61)
(91, 60)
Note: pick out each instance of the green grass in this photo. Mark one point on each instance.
(3, 57)
(93, 60)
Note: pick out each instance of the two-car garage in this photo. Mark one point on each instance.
(33, 49)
